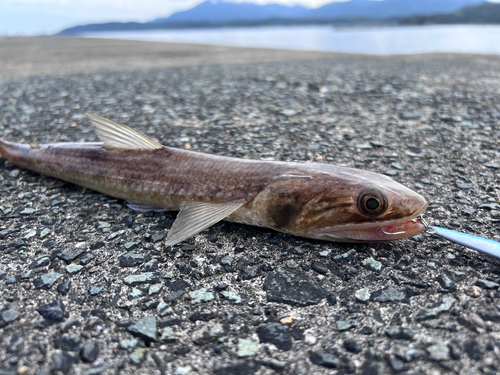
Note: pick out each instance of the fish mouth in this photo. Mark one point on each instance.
(376, 231)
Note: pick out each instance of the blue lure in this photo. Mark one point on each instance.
(480, 244)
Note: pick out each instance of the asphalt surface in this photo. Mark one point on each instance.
(87, 286)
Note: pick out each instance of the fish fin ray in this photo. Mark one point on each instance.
(197, 216)
(144, 207)
(115, 135)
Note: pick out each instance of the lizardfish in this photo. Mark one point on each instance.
(311, 200)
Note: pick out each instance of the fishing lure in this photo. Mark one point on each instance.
(483, 245)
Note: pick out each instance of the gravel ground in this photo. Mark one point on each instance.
(87, 286)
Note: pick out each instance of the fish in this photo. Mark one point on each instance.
(312, 200)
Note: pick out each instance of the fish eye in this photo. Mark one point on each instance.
(372, 202)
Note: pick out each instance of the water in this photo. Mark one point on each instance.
(380, 41)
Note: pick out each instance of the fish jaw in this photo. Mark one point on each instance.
(373, 232)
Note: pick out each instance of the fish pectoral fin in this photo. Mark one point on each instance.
(115, 135)
(144, 207)
(197, 216)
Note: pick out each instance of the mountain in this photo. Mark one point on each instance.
(388, 8)
(478, 14)
(221, 11)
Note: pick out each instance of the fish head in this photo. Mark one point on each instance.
(343, 205)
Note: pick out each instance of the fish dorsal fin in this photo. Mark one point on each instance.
(197, 216)
(115, 135)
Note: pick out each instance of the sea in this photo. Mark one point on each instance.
(478, 39)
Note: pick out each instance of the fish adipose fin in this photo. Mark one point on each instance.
(197, 216)
(144, 207)
(115, 135)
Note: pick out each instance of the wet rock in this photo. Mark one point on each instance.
(373, 265)
(247, 348)
(144, 329)
(131, 259)
(388, 294)
(292, 287)
(47, 280)
(435, 310)
(210, 332)
(249, 367)
(67, 343)
(143, 278)
(276, 334)
(52, 312)
(89, 351)
(11, 314)
(324, 359)
(399, 333)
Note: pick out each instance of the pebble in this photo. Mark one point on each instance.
(131, 259)
(362, 295)
(346, 324)
(143, 278)
(11, 314)
(292, 287)
(346, 257)
(52, 312)
(352, 346)
(246, 348)
(372, 265)
(64, 287)
(433, 312)
(144, 329)
(128, 344)
(277, 334)
(319, 267)
(94, 290)
(201, 295)
(489, 315)
(168, 335)
(399, 333)
(138, 356)
(69, 323)
(388, 294)
(63, 361)
(40, 262)
(210, 332)
(47, 280)
(70, 256)
(67, 343)
(324, 359)
(73, 268)
(164, 309)
(248, 367)
(234, 298)
(155, 289)
(486, 284)
(438, 351)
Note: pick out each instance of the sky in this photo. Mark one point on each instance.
(38, 17)
(35, 17)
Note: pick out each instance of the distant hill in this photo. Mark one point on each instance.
(226, 14)
(222, 11)
(485, 13)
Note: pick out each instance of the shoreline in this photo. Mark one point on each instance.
(61, 55)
